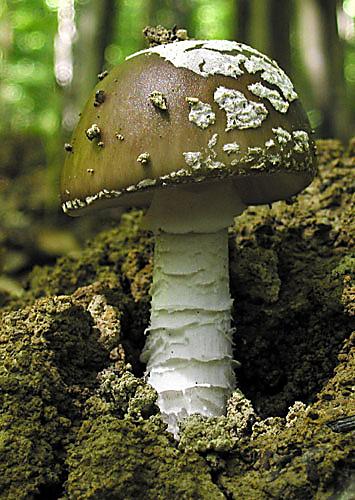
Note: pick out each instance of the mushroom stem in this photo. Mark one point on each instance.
(189, 347)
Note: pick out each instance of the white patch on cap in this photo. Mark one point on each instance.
(255, 150)
(282, 135)
(198, 160)
(272, 74)
(274, 159)
(182, 172)
(178, 173)
(269, 143)
(146, 183)
(212, 62)
(271, 95)
(212, 164)
(91, 199)
(213, 141)
(180, 176)
(301, 139)
(241, 113)
(77, 203)
(200, 113)
(210, 57)
(231, 147)
(210, 161)
(203, 57)
(193, 159)
(223, 45)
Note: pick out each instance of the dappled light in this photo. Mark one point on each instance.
(63, 42)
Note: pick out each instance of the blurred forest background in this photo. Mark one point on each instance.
(52, 50)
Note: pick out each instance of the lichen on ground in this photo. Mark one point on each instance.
(78, 421)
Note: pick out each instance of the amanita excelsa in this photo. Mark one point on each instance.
(196, 130)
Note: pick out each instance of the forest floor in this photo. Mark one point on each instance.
(78, 421)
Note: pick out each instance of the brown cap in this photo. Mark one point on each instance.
(189, 112)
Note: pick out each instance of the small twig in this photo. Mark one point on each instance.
(344, 424)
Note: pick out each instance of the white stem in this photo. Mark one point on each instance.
(189, 348)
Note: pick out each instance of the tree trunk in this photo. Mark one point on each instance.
(279, 26)
(322, 54)
(241, 32)
(266, 26)
(336, 116)
(106, 29)
(259, 30)
(96, 28)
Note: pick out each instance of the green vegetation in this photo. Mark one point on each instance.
(33, 102)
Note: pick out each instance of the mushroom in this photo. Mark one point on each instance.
(234, 134)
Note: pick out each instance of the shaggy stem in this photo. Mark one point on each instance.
(189, 346)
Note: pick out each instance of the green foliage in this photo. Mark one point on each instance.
(213, 19)
(31, 99)
(27, 88)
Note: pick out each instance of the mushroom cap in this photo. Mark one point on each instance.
(192, 112)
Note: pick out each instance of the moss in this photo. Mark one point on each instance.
(47, 352)
(70, 404)
(300, 457)
(120, 459)
(219, 434)
(292, 322)
(127, 395)
(120, 260)
(256, 272)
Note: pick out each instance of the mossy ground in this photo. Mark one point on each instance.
(77, 421)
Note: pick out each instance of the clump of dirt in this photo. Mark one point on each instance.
(78, 419)
(49, 356)
(158, 35)
(288, 266)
